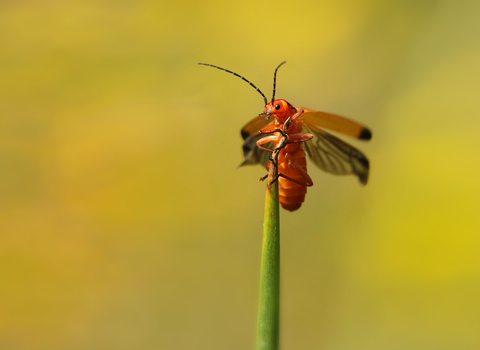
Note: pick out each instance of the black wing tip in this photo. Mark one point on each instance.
(365, 134)
(242, 164)
(363, 174)
(363, 178)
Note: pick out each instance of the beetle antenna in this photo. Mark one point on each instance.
(275, 79)
(228, 71)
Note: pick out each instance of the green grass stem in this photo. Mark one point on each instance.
(269, 303)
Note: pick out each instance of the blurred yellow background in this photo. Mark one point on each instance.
(125, 223)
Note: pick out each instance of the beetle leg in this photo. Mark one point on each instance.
(271, 129)
(298, 114)
(299, 137)
(303, 173)
(308, 180)
(264, 140)
(307, 184)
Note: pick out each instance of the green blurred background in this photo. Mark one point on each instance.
(125, 223)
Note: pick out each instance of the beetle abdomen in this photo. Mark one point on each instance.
(291, 194)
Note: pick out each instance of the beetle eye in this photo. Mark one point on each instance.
(277, 107)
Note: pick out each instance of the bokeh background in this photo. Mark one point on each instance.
(125, 223)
